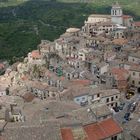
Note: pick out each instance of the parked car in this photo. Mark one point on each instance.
(84, 103)
(116, 109)
(127, 116)
(133, 106)
(128, 96)
(121, 106)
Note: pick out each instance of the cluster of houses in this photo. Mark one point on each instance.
(67, 89)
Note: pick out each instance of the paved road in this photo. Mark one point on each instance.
(119, 116)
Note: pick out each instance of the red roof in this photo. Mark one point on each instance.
(120, 41)
(67, 134)
(95, 131)
(24, 78)
(137, 23)
(120, 73)
(35, 54)
(126, 16)
(1, 66)
(28, 97)
(102, 130)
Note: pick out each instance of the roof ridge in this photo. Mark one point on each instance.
(102, 128)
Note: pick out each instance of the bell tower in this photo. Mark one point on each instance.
(117, 14)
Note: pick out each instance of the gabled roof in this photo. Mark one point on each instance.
(120, 41)
(102, 130)
(120, 73)
(137, 23)
(49, 131)
(95, 131)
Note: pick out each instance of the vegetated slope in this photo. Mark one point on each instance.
(23, 26)
(128, 5)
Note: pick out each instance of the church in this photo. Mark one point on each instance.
(116, 17)
(116, 22)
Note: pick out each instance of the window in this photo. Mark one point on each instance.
(74, 48)
(116, 97)
(114, 138)
(44, 96)
(133, 73)
(77, 99)
(139, 82)
(53, 95)
(49, 83)
(107, 100)
(133, 82)
(17, 119)
(68, 76)
(112, 98)
(83, 98)
(98, 95)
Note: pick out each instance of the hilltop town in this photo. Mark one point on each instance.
(83, 86)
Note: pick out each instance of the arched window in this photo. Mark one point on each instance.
(115, 12)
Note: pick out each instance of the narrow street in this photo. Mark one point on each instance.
(119, 116)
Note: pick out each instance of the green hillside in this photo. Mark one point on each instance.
(24, 23)
(128, 5)
(6, 3)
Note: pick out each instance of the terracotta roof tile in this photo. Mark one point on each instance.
(126, 16)
(24, 78)
(103, 129)
(28, 97)
(95, 131)
(67, 134)
(35, 54)
(137, 23)
(120, 41)
(111, 127)
(120, 73)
